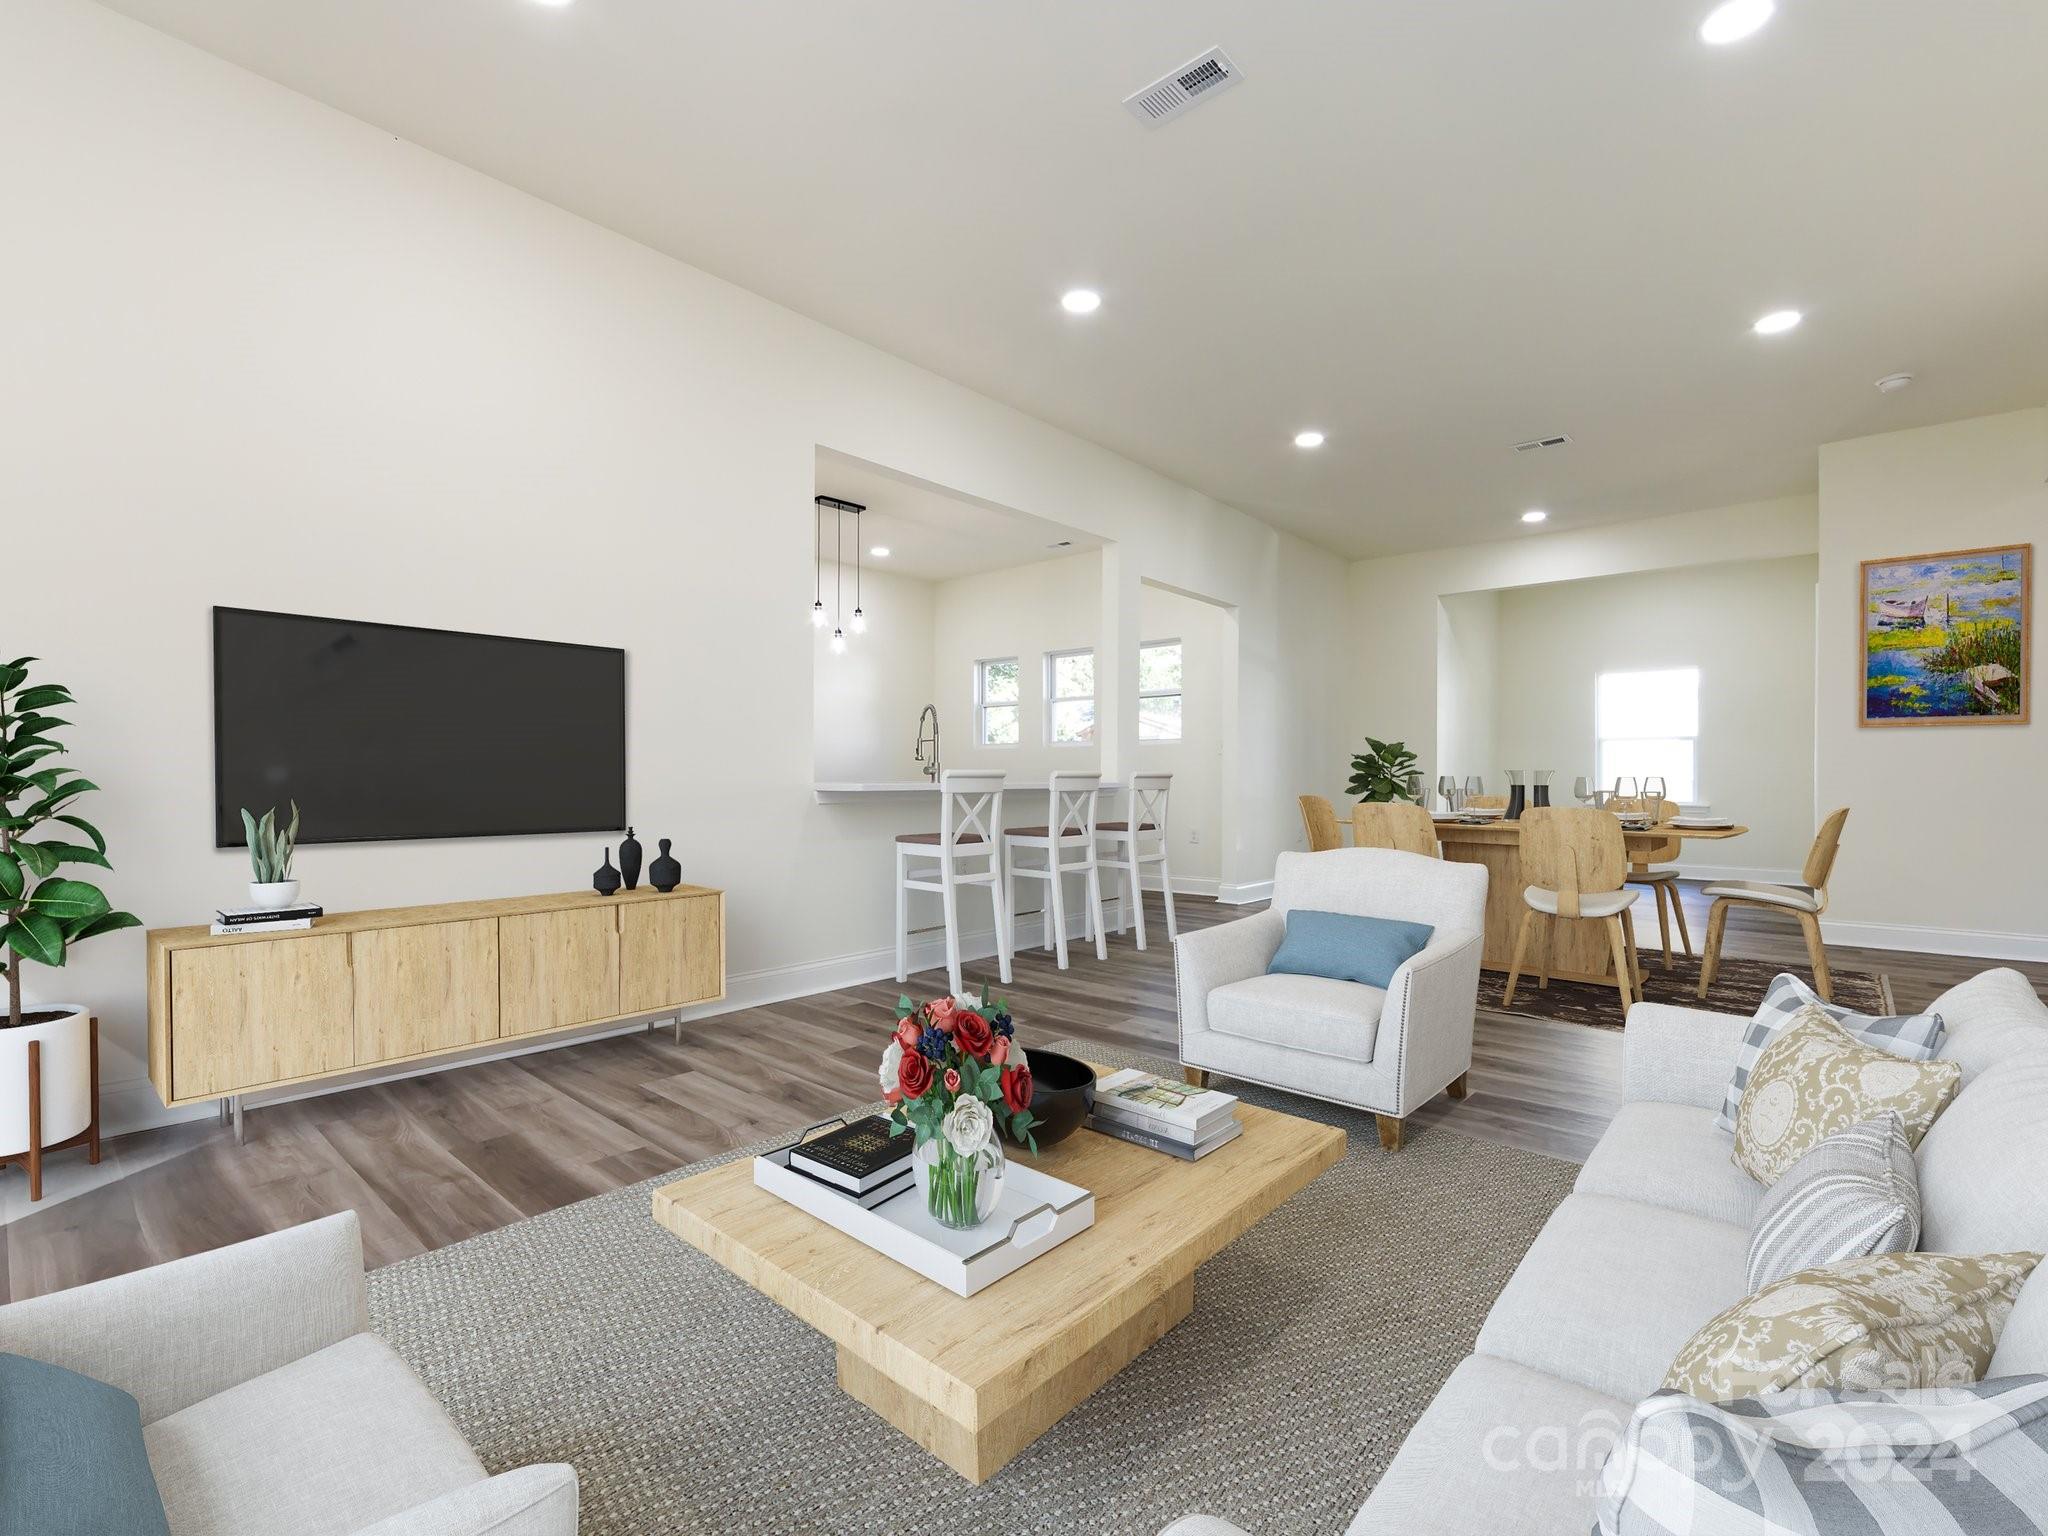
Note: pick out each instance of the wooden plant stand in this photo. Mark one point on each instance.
(89, 1138)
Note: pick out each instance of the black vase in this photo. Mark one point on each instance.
(664, 874)
(1517, 800)
(629, 860)
(1062, 1096)
(606, 881)
(1541, 794)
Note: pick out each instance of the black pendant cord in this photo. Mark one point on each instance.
(817, 555)
(838, 568)
(856, 565)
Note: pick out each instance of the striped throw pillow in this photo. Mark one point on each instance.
(1970, 1459)
(1856, 1193)
(1917, 1036)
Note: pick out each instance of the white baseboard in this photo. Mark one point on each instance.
(1245, 893)
(1712, 872)
(1936, 941)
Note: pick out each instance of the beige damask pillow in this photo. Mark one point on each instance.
(1890, 1322)
(1817, 1079)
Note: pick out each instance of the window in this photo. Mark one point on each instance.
(1070, 698)
(1159, 691)
(1649, 724)
(996, 701)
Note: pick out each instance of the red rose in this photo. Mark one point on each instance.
(952, 1081)
(973, 1033)
(906, 1034)
(914, 1077)
(1017, 1088)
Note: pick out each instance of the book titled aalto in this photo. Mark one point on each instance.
(1149, 1099)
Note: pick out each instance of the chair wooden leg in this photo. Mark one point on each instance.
(1717, 920)
(1678, 916)
(1521, 950)
(1549, 937)
(35, 1119)
(1662, 891)
(1461, 1086)
(1617, 944)
(1195, 1077)
(1822, 982)
(1635, 959)
(1390, 1132)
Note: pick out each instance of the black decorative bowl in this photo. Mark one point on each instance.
(1062, 1095)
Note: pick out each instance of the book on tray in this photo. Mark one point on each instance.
(867, 1200)
(1172, 1146)
(1163, 1106)
(855, 1158)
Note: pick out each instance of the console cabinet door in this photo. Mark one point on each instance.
(670, 953)
(244, 1015)
(432, 987)
(558, 969)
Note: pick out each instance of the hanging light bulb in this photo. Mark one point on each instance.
(838, 642)
(860, 622)
(817, 615)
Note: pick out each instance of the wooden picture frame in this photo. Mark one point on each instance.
(1965, 671)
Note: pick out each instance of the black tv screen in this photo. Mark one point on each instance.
(383, 732)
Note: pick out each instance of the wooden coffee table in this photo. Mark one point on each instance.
(974, 1380)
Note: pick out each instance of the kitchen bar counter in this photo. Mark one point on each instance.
(830, 794)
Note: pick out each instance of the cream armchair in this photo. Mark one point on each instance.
(1388, 1052)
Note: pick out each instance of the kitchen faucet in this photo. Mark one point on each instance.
(929, 765)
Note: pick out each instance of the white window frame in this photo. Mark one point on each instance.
(982, 703)
(1163, 693)
(1605, 779)
(1053, 698)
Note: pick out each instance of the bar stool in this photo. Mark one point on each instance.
(1071, 830)
(970, 810)
(1144, 816)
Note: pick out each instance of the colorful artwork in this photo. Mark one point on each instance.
(1944, 637)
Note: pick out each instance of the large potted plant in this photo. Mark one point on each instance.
(1385, 772)
(43, 913)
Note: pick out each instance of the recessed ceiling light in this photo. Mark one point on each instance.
(552, 4)
(1308, 439)
(880, 552)
(1732, 22)
(1778, 322)
(1080, 301)
(1535, 515)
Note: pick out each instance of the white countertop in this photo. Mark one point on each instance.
(830, 793)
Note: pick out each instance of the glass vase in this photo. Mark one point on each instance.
(960, 1192)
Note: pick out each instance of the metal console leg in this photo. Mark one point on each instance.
(241, 1126)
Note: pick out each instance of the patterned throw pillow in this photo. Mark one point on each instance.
(1855, 1194)
(1914, 1035)
(1951, 1459)
(1815, 1080)
(1883, 1324)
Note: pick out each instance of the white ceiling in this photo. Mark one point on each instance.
(934, 534)
(1432, 229)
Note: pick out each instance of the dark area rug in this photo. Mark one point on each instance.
(1739, 985)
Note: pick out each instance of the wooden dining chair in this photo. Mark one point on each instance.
(1320, 818)
(1805, 902)
(1486, 802)
(1661, 883)
(1575, 869)
(1397, 825)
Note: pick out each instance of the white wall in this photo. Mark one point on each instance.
(1194, 808)
(261, 353)
(1747, 626)
(1467, 701)
(1928, 860)
(865, 703)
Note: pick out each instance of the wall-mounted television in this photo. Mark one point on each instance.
(384, 732)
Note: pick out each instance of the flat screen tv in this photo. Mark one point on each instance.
(383, 732)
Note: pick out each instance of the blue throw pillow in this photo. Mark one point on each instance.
(1347, 948)
(71, 1457)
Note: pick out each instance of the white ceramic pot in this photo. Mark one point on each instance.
(273, 893)
(66, 1076)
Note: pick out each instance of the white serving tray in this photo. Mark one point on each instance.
(1035, 1215)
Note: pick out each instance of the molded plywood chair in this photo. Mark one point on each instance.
(1069, 844)
(1662, 883)
(1398, 825)
(1486, 802)
(1575, 864)
(1319, 818)
(1144, 817)
(1805, 902)
(970, 811)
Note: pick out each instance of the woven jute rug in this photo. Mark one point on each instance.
(1739, 985)
(689, 1403)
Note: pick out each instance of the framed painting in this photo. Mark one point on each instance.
(1944, 637)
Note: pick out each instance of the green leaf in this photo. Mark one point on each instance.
(34, 725)
(91, 832)
(106, 922)
(66, 899)
(44, 696)
(12, 881)
(70, 853)
(35, 936)
(13, 675)
(40, 861)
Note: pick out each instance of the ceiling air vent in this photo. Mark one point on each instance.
(1195, 81)
(1535, 443)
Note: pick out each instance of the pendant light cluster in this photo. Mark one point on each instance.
(859, 622)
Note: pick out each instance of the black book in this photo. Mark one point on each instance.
(867, 1200)
(235, 917)
(855, 1157)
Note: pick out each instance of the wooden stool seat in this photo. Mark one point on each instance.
(1122, 826)
(931, 839)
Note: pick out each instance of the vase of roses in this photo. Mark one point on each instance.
(951, 1073)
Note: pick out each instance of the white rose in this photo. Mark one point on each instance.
(892, 1065)
(969, 1125)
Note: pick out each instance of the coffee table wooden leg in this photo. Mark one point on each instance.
(979, 1445)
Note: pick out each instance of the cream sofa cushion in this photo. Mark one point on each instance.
(1302, 1013)
(1671, 1155)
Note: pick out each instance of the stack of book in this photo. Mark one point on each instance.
(264, 919)
(1165, 1115)
(862, 1161)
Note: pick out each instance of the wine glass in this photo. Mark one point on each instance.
(1447, 786)
(1582, 791)
(1474, 785)
(1653, 795)
(1624, 788)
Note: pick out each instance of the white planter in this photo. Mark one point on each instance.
(66, 1074)
(273, 893)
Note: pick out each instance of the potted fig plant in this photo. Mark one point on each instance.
(43, 913)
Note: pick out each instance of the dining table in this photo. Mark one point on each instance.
(1580, 950)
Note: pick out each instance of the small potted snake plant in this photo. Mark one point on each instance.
(270, 859)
